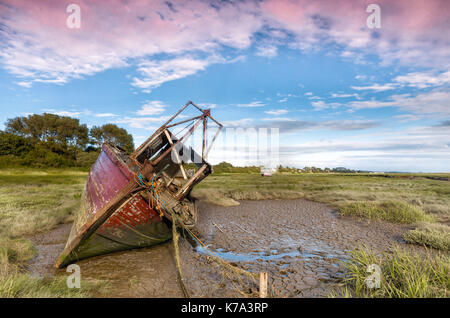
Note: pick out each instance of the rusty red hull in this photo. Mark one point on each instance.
(130, 223)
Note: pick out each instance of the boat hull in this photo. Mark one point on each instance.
(131, 224)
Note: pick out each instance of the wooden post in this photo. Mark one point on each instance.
(263, 285)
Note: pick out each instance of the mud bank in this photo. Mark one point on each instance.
(301, 244)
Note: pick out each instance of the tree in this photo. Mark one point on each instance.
(14, 145)
(50, 128)
(111, 133)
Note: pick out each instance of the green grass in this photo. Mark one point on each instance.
(432, 235)
(403, 275)
(393, 211)
(23, 285)
(33, 201)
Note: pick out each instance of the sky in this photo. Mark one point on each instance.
(340, 90)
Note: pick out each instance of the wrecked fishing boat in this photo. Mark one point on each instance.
(129, 201)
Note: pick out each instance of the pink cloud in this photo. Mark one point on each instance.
(37, 45)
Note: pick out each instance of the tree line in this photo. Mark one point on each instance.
(49, 140)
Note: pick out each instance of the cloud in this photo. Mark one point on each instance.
(341, 95)
(252, 104)
(321, 105)
(155, 73)
(375, 87)
(63, 112)
(407, 118)
(155, 107)
(289, 126)
(432, 102)
(25, 84)
(423, 79)
(276, 112)
(240, 123)
(207, 105)
(267, 51)
(143, 122)
(101, 115)
(412, 32)
(37, 46)
(445, 123)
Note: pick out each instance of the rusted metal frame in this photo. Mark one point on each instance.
(178, 112)
(214, 139)
(149, 140)
(220, 125)
(180, 163)
(184, 121)
(191, 180)
(205, 119)
(188, 133)
(200, 109)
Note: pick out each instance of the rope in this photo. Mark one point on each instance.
(177, 258)
(160, 203)
(189, 124)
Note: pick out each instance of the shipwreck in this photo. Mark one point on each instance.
(129, 201)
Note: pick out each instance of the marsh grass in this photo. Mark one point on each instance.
(393, 211)
(403, 275)
(403, 198)
(33, 201)
(22, 285)
(432, 235)
(433, 196)
(37, 202)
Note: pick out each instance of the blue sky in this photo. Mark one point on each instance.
(340, 93)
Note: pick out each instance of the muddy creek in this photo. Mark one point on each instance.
(301, 244)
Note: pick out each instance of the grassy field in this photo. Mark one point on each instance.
(33, 201)
(337, 190)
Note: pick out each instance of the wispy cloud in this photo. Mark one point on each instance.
(343, 95)
(375, 87)
(277, 112)
(63, 112)
(154, 107)
(37, 48)
(432, 102)
(149, 123)
(423, 79)
(321, 105)
(101, 115)
(292, 125)
(267, 51)
(252, 104)
(155, 73)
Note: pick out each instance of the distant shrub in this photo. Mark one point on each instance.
(86, 159)
(393, 211)
(13, 145)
